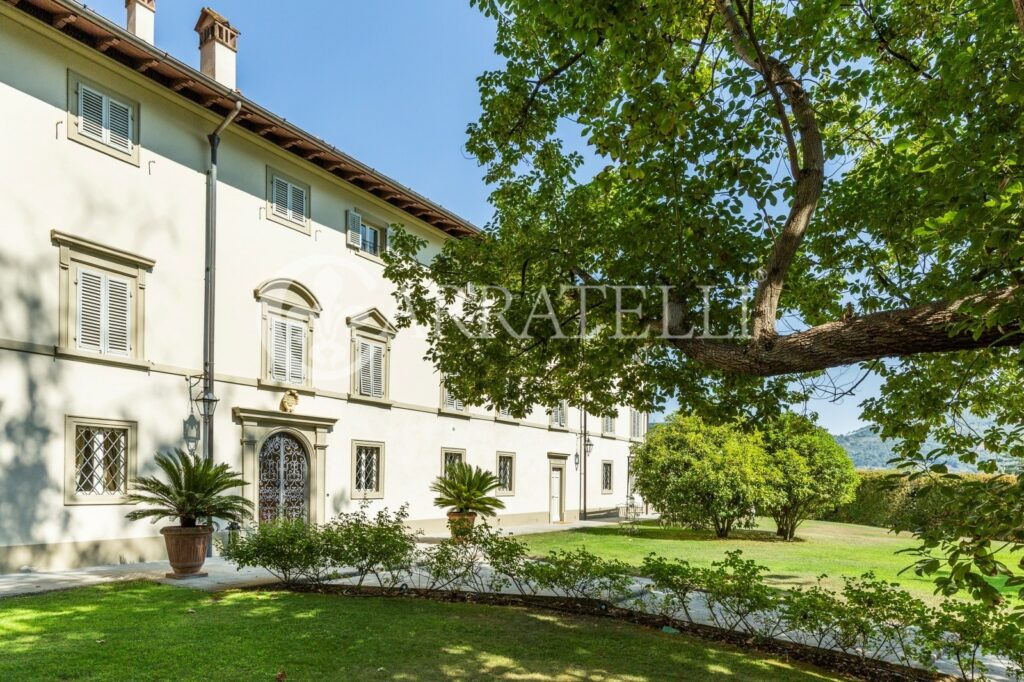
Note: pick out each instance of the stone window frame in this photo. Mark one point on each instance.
(381, 469)
(370, 325)
(609, 433)
(497, 472)
(78, 252)
(563, 407)
(74, 80)
(291, 300)
(444, 451)
(71, 425)
(611, 476)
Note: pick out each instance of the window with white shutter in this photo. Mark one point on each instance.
(371, 368)
(608, 426)
(451, 402)
(105, 119)
(287, 348)
(288, 200)
(560, 415)
(287, 309)
(368, 238)
(638, 424)
(104, 313)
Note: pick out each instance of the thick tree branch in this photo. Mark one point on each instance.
(1018, 7)
(809, 181)
(894, 333)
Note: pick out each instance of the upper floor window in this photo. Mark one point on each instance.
(560, 415)
(365, 234)
(371, 351)
(102, 119)
(608, 426)
(102, 292)
(288, 310)
(99, 460)
(287, 200)
(638, 424)
(450, 402)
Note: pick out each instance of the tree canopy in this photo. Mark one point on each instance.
(847, 176)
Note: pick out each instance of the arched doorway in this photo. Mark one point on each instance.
(284, 479)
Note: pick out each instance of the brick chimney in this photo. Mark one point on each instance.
(141, 18)
(218, 45)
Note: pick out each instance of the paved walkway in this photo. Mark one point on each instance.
(222, 576)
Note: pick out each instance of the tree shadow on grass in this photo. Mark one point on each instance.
(146, 631)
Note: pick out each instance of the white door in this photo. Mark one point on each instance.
(556, 495)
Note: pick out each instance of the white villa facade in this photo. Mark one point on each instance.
(105, 160)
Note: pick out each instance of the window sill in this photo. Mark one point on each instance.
(380, 402)
(608, 435)
(507, 493)
(302, 227)
(96, 501)
(101, 359)
(357, 495)
(454, 413)
(606, 492)
(368, 256)
(507, 420)
(552, 427)
(301, 389)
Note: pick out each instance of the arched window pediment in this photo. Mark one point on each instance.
(288, 293)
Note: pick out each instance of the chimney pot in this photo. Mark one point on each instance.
(141, 18)
(218, 45)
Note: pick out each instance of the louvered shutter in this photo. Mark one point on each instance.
(278, 350)
(90, 311)
(378, 370)
(297, 205)
(451, 402)
(119, 126)
(354, 222)
(91, 107)
(296, 353)
(118, 310)
(280, 197)
(365, 368)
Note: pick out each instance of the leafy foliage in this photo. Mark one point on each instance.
(812, 472)
(641, 143)
(381, 545)
(194, 491)
(292, 550)
(579, 574)
(703, 475)
(464, 488)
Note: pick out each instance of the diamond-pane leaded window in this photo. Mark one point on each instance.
(101, 461)
(506, 464)
(606, 477)
(367, 469)
(452, 457)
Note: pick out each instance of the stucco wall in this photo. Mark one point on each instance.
(156, 209)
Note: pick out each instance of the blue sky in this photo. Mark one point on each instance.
(391, 82)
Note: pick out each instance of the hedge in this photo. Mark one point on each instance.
(888, 501)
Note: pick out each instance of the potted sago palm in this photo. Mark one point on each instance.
(466, 492)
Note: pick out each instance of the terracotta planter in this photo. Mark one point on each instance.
(461, 523)
(186, 550)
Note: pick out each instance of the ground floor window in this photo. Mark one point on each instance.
(506, 473)
(100, 460)
(367, 469)
(606, 477)
(450, 458)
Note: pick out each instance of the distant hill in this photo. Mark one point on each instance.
(869, 451)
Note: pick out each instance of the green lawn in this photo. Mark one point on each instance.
(835, 549)
(145, 631)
